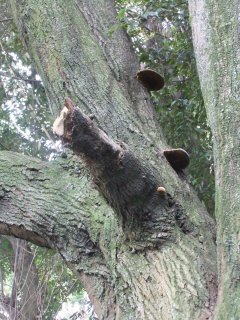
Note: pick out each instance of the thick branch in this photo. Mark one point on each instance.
(49, 205)
(126, 182)
(34, 205)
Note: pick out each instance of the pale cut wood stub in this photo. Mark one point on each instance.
(58, 125)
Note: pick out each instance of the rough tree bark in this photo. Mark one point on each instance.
(25, 283)
(215, 26)
(160, 266)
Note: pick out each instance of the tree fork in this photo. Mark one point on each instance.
(174, 281)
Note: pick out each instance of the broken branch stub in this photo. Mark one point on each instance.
(129, 186)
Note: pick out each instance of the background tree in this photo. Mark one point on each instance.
(169, 257)
(34, 281)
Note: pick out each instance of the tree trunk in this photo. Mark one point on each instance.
(164, 268)
(25, 283)
(215, 26)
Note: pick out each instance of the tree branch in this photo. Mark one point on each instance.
(132, 188)
(49, 204)
(19, 231)
(35, 206)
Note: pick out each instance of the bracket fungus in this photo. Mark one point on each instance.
(161, 190)
(178, 158)
(150, 79)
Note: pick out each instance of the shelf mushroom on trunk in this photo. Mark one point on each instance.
(150, 79)
(178, 158)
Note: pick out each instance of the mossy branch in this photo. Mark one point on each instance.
(129, 186)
